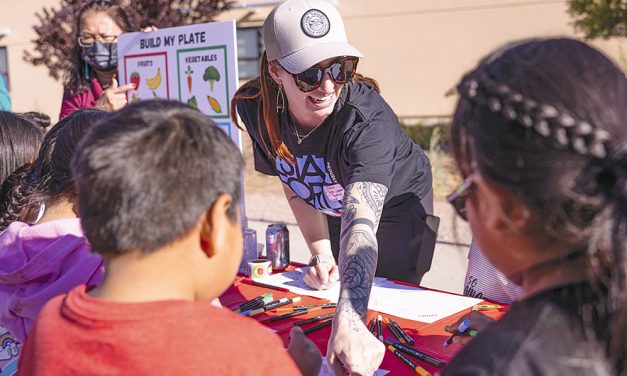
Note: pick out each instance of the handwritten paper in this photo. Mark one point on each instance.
(409, 302)
(325, 369)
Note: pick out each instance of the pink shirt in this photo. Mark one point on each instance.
(85, 99)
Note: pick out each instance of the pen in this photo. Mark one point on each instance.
(318, 327)
(261, 284)
(392, 329)
(379, 328)
(277, 303)
(247, 305)
(314, 319)
(460, 329)
(419, 370)
(403, 333)
(431, 360)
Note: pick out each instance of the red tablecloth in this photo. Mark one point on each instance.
(428, 337)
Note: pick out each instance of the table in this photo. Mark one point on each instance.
(428, 337)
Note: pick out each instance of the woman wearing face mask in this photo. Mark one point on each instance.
(93, 79)
(358, 187)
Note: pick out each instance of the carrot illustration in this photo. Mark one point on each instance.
(189, 73)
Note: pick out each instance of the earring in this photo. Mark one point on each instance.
(86, 71)
(280, 101)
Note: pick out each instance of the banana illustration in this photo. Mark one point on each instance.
(154, 82)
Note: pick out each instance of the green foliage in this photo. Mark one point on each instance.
(429, 137)
(600, 18)
(56, 34)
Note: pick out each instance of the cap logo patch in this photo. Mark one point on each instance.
(315, 23)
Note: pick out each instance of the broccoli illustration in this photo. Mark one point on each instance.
(212, 75)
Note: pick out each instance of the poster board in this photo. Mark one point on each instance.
(195, 64)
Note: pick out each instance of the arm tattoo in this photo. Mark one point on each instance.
(374, 195)
(349, 207)
(357, 266)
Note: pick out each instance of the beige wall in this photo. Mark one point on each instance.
(31, 87)
(416, 49)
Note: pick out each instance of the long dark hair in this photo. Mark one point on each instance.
(77, 79)
(267, 89)
(19, 141)
(50, 176)
(547, 120)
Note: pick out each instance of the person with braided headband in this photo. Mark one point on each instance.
(540, 135)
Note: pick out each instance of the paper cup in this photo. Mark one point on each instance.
(259, 269)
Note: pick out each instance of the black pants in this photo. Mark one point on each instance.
(406, 242)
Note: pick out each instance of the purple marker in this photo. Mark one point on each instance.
(460, 329)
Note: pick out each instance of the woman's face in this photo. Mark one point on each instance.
(98, 39)
(312, 108)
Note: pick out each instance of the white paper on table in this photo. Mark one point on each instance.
(409, 302)
(325, 370)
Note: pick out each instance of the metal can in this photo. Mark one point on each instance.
(250, 249)
(278, 245)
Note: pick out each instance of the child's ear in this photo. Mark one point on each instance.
(205, 235)
(214, 228)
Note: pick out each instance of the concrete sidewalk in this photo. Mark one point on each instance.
(450, 259)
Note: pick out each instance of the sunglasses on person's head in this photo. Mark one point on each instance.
(340, 71)
(459, 196)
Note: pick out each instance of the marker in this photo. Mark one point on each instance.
(403, 333)
(323, 306)
(485, 307)
(295, 308)
(371, 326)
(314, 319)
(471, 332)
(460, 329)
(380, 328)
(261, 284)
(277, 303)
(392, 329)
(419, 370)
(318, 327)
(424, 357)
(288, 315)
(253, 302)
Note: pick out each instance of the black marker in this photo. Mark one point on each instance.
(318, 327)
(416, 353)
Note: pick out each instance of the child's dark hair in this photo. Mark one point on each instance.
(50, 176)
(38, 118)
(147, 173)
(20, 140)
(547, 120)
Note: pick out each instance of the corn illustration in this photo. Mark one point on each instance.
(215, 105)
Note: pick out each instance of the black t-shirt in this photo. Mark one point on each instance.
(541, 335)
(361, 141)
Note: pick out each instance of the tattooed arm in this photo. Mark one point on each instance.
(313, 225)
(351, 345)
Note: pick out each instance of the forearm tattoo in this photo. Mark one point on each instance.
(358, 262)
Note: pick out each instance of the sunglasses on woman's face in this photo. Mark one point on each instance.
(340, 71)
(460, 195)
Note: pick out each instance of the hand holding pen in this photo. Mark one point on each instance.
(479, 322)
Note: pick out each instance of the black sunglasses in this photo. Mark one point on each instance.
(459, 196)
(341, 71)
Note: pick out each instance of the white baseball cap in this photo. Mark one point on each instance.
(302, 33)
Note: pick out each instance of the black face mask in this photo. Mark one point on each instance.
(101, 56)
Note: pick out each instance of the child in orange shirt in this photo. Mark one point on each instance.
(158, 190)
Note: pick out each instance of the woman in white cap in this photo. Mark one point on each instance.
(340, 152)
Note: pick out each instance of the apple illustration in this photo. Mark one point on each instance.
(135, 79)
